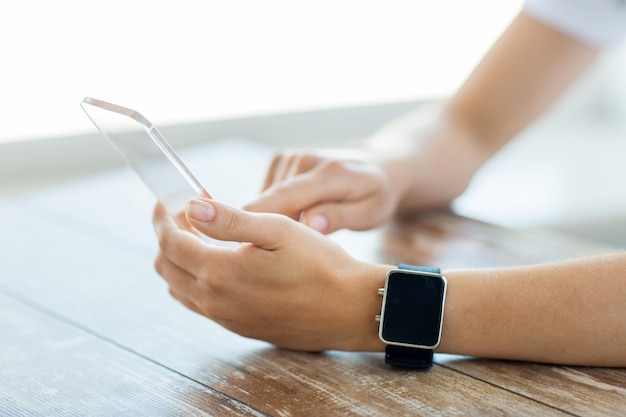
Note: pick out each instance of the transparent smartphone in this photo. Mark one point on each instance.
(146, 151)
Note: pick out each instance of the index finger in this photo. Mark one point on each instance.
(304, 191)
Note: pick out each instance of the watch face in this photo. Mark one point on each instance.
(413, 309)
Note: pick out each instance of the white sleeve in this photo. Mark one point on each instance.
(596, 22)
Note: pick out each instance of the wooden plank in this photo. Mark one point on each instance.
(361, 385)
(88, 261)
(117, 296)
(440, 238)
(50, 368)
(573, 389)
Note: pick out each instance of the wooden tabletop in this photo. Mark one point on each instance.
(88, 328)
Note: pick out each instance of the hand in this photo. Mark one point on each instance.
(289, 285)
(420, 161)
(327, 193)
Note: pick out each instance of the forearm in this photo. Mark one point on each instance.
(569, 312)
(429, 156)
(432, 155)
(526, 70)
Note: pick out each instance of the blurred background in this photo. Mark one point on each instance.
(196, 60)
(190, 62)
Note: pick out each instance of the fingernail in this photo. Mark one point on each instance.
(319, 223)
(200, 210)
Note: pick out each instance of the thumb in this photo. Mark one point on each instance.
(226, 223)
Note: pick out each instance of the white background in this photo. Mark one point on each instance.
(195, 60)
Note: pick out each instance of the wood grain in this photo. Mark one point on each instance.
(118, 297)
(81, 256)
(572, 389)
(443, 239)
(50, 368)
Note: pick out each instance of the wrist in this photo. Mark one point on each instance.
(428, 157)
(394, 155)
(366, 307)
(441, 166)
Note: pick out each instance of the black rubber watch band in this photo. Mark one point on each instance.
(420, 268)
(408, 357)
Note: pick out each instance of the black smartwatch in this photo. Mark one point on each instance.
(412, 315)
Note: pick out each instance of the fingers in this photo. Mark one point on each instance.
(290, 197)
(330, 182)
(332, 196)
(329, 217)
(180, 246)
(185, 301)
(269, 178)
(223, 222)
(286, 165)
(183, 286)
(176, 277)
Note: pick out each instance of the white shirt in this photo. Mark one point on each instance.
(596, 22)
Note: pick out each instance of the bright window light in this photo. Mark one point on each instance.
(197, 60)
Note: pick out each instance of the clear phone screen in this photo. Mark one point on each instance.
(146, 151)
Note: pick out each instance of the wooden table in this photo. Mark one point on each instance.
(87, 326)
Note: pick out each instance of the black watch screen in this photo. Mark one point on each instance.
(413, 309)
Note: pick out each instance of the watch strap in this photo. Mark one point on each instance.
(406, 357)
(420, 268)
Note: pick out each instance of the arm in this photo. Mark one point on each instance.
(428, 158)
(529, 67)
(296, 289)
(570, 312)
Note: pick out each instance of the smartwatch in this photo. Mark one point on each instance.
(412, 315)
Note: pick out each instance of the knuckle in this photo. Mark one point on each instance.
(210, 285)
(158, 264)
(213, 283)
(277, 157)
(334, 167)
(216, 310)
(164, 241)
(310, 159)
(173, 293)
(281, 221)
(276, 160)
(237, 327)
(282, 192)
(213, 312)
(282, 226)
(233, 223)
(169, 245)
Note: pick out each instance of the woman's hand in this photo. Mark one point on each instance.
(327, 191)
(288, 285)
(420, 161)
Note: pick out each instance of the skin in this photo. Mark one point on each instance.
(288, 286)
(292, 287)
(428, 158)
